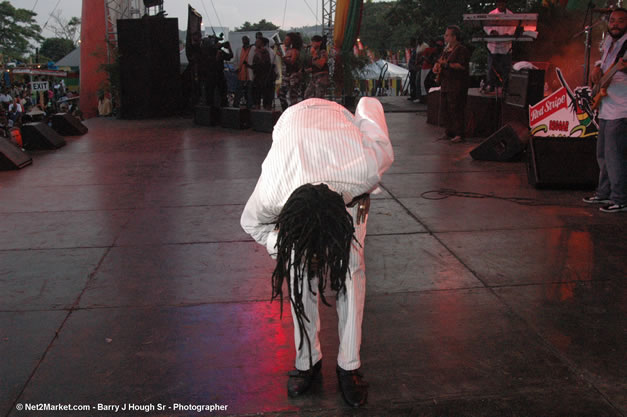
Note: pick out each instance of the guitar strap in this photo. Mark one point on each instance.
(621, 52)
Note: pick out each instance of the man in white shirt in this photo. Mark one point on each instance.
(6, 99)
(612, 140)
(500, 53)
(309, 209)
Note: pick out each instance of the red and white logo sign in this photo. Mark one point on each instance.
(549, 106)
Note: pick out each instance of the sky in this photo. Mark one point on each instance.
(230, 13)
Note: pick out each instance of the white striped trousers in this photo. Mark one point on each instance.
(350, 310)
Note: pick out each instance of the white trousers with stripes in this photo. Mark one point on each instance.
(350, 311)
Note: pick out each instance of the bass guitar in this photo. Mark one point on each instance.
(600, 89)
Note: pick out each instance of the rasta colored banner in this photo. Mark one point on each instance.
(564, 113)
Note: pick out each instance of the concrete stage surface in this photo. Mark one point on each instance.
(125, 279)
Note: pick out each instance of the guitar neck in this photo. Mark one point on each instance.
(607, 77)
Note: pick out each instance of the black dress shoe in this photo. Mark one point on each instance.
(354, 388)
(300, 381)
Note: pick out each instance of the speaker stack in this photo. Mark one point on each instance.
(525, 88)
(150, 82)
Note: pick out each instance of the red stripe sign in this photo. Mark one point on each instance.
(550, 105)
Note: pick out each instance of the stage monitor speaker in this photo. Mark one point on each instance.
(525, 87)
(41, 136)
(206, 115)
(67, 125)
(562, 162)
(506, 144)
(234, 118)
(12, 157)
(264, 120)
(150, 81)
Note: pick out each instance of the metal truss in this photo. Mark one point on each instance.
(119, 9)
(328, 18)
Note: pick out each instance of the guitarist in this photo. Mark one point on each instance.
(612, 140)
(452, 71)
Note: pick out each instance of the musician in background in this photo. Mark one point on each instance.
(292, 73)
(452, 69)
(612, 140)
(423, 70)
(412, 66)
(500, 53)
(244, 75)
(318, 68)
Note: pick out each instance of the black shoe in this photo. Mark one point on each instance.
(299, 381)
(354, 388)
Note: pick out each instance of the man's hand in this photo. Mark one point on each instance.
(363, 209)
(596, 75)
(363, 206)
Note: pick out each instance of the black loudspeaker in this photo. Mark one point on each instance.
(506, 144)
(150, 82)
(206, 115)
(525, 88)
(67, 125)
(562, 162)
(12, 157)
(152, 3)
(264, 120)
(235, 118)
(41, 136)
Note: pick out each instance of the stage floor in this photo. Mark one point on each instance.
(125, 278)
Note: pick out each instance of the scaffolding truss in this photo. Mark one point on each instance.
(119, 9)
(328, 19)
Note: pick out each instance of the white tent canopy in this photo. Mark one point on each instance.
(374, 70)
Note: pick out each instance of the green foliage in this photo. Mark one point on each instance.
(388, 26)
(259, 26)
(347, 66)
(262, 25)
(17, 29)
(56, 48)
(66, 29)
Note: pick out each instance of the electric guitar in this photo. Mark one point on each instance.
(600, 89)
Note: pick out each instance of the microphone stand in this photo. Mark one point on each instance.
(587, 30)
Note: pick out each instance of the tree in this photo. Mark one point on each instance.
(56, 48)
(66, 29)
(17, 29)
(256, 27)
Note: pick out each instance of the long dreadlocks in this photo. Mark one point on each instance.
(315, 232)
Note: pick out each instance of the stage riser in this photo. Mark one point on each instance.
(482, 114)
